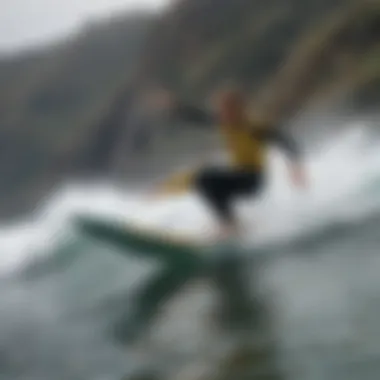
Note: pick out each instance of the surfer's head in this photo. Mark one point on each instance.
(232, 106)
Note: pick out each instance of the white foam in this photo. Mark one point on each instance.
(337, 176)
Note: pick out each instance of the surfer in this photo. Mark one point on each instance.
(247, 141)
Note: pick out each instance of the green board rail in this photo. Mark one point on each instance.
(132, 241)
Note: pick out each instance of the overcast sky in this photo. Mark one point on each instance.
(29, 22)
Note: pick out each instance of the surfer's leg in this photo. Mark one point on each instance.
(219, 187)
(214, 186)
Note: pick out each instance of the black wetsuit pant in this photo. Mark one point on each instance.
(219, 187)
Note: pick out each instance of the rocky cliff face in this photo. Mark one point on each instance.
(64, 108)
(51, 100)
(278, 49)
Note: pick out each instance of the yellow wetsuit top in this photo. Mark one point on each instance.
(246, 144)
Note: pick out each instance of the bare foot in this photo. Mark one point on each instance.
(226, 232)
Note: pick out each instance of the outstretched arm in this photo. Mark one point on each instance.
(193, 114)
(286, 143)
(175, 185)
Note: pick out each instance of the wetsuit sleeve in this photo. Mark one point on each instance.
(178, 183)
(192, 114)
(284, 141)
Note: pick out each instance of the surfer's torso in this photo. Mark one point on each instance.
(245, 146)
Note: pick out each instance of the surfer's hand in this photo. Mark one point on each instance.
(298, 176)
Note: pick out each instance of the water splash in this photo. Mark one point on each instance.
(340, 176)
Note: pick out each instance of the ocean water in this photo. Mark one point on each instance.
(318, 250)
